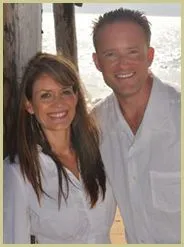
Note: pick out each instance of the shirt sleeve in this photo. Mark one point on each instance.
(16, 223)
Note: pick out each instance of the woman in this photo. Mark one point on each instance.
(55, 188)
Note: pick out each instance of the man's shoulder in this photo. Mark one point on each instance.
(170, 98)
(169, 92)
(173, 90)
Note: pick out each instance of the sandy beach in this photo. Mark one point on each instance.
(117, 230)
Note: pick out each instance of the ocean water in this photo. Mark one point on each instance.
(166, 39)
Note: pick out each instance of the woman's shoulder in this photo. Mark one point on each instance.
(11, 163)
(11, 168)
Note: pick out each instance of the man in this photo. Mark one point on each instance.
(140, 125)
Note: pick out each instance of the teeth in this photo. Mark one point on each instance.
(58, 115)
(125, 75)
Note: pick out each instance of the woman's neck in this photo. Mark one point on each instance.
(60, 142)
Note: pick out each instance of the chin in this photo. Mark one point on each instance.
(126, 93)
(58, 127)
(62, 126)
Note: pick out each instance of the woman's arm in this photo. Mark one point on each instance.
(16, 223)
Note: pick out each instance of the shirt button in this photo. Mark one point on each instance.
(131, 150)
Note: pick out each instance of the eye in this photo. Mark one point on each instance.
(67, 91)
(110, 54)
(133, 52)
(46, 95)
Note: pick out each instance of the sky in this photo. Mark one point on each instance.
(149, 9)
(162, 9)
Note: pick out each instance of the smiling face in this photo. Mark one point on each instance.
(123, 57)
(54, 105)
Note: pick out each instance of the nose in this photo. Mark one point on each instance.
(59, 100)
(123, 61)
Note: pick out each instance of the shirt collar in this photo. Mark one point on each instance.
(157, 111)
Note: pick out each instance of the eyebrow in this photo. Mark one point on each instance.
(108, 50)
(125, 48)
(132, 47)
(50, 90)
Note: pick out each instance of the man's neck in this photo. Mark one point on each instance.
(133, 107)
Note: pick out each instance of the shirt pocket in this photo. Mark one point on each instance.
(165, 191)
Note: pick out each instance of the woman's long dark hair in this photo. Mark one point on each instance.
(84, 133)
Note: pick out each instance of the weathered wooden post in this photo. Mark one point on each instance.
(65, 34)
(22, 39)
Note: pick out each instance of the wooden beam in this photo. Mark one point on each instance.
(21, 40)
(65, 33)
(79, 4)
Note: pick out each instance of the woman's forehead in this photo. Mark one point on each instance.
(47, 82)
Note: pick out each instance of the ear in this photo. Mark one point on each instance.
(151, 53)
(29, 107)
(96, 61)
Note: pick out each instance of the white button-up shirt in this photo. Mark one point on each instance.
(74, 222)
(144, 169)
